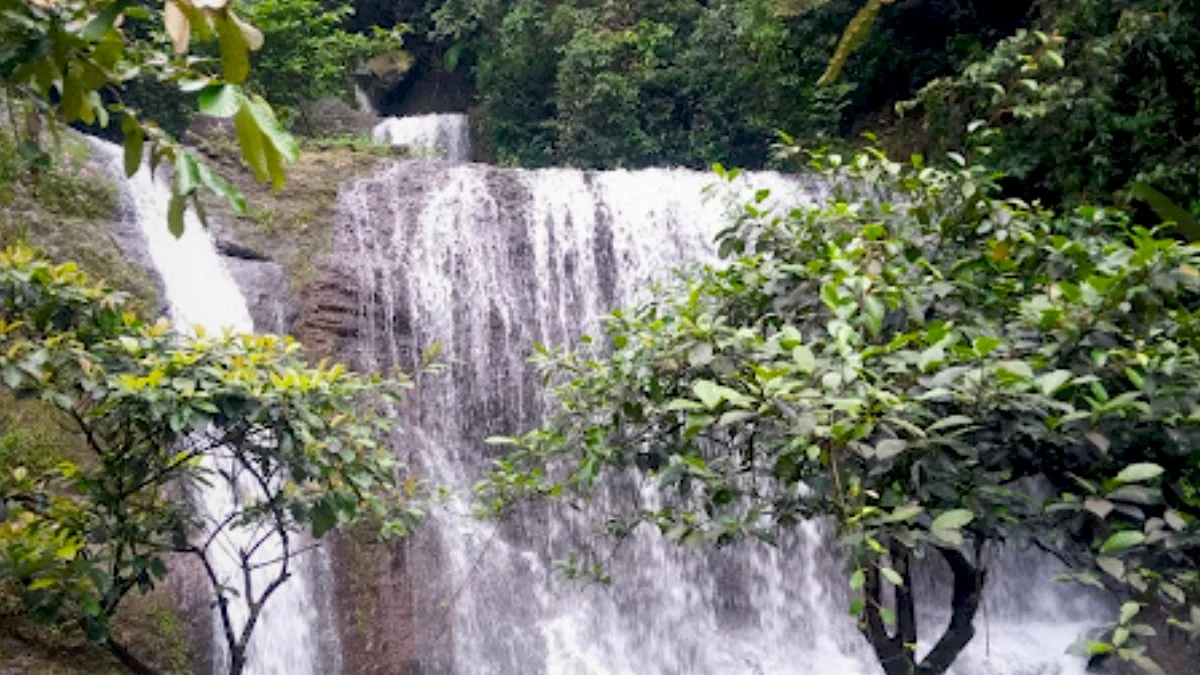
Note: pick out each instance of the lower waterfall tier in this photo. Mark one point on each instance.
(488, 262)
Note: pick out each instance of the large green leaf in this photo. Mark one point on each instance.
(175, 212)
(220, 100)
(252, 142)
(270, 127)
(235, 51)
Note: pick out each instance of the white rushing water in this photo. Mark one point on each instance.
(288, 639)
(444, 136)
(490, 261)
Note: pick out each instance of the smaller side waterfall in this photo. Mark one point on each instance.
(446, 136)
(288, 639)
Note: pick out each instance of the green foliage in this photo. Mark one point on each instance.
(54, 199)
(63, 60)
(307, 55)
(1105, 97)
(611, 84)
(688, 82)
(905, 360)
(152, 408)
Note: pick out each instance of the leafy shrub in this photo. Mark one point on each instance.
(158, 412)
(903, 359)
(1106, 96)
(307, 54)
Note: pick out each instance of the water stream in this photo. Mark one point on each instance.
(489, 261)
(288, 639)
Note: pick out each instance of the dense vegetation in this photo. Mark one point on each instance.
(685, 82)
(913, 360)
(912, 367)
(155, 415)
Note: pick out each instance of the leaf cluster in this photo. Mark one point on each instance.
(163, 414)
(924, 362)
(70, 60)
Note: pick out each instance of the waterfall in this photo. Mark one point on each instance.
(446, 135)
(490, 261)
(288, 639)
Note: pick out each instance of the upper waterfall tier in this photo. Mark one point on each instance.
(487, 262)
(444, 135)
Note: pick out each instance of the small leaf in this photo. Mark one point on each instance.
(502, 440)
(804, 358)
(1136, 473)
(1099, 440)
(1175, 520)
(951, 421)
(903, 513)
(1120, 541)
(701, 355)
(952, 520)
(1017, 368)
(1129, 610)
(1100, 507)
(175, 215)
(1174, 592)
(892, 576)
(1114, 567)
(1146, 663)
(857, 579)
(735, 416)
(889, 447)
(1053, 381)
(708, 392)
(953, 537)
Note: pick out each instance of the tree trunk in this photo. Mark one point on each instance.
(968, 593)
(896, 652)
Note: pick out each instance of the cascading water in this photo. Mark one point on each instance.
(445, 136)
(488, 262)
(288, 639)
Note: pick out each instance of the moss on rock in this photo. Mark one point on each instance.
(291, 226)
(64, 206)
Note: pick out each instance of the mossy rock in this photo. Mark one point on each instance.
(61, 204)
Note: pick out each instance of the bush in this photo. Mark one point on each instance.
(1108, 94)
(903, 359)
